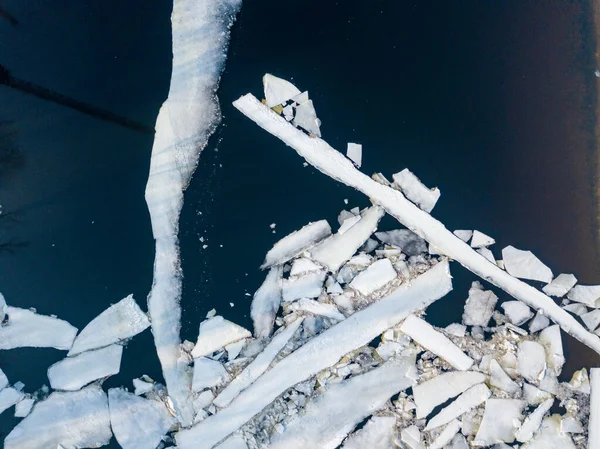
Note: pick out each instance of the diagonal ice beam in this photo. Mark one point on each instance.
(326, 159)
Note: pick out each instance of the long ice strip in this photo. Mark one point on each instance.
(119, 322)
(327, 419)
(75, 419)
(339, 248)
(585, 294)
(277, 90)
(137, 423)
(215, 333)
(296, 243)
(501, 419)
(378, 433)
(560, 285)
(9, 397)
(524, 265)
(533, 422)
(28, 329)
(416, 191)
(258, 366)
(75, 372)
(436, 391)
(373, 278)
(319, 353)
(462, 404)
(265, 303)
(594, 423)
(329, 161)
(423, 333)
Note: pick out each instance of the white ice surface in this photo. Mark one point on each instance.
(531, 360)
(303, 265)
(481, 240)
(75, 419)
(446, 435)
(594, 423)
(538, 323)
(258, 366)
(501, 419)
(591, 319)
(23, 407)
(308, 285)
(436, 391)
(551, 339)
(329, 161)
(423, 333)
(463, 234)
(72, 373)
(277, 90)
(306, 118)
(137, 423)
(462, 404)
(119, 322)
(524, 265)
(551, 437)
(354, 153)
(585, 294)
(318, 308)
(321, 352)
(517, 312)
(215, 333)
(348, 223)
(501, 380)
(487, 253)
(328, 419)
(3, 380)
(9, 397)
(184, 124)
(560, 285)
(373, 278)
(266, 302)
(533, 422)
(479, 306)
(378, 433)
(233, 442)
(296, 243)
(208, 373)
(416, 191)
(28, 329)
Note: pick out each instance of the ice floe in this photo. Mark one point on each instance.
(471, 398)
(266, 302)
(354, 153)
(501, 420)
(481, 240)
(277, 90)
(378, 433)
(464, 234)
(374, 277)
(8, 397)
(585, 294)
(560, 285)
(415, 190)
(215, 333)
(524, 265)
(479, 306)
(208, 373)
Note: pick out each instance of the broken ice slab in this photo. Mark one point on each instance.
(480, 240)
(215, 333)
(306, 118)
(208, 373)
(339, 248)
(409, 242)
(327, 419)
(378, 433)
(137, 423)
(309, 285)
(464, 234)
(468, 400)
(333, 286)
(374, 277)
(72, 373)
(321, 352)
(479, 306)
(524, 265)
(533, 422)
(354, 153)
(425, 335)
(487, 253)
(591, 319)
(436, 391)
(501, 380)
(501, 420)
(411, 437)
(560, 285)
(532, 360)
(266, 301)
(594, 422)
(318, 308)
(142, 386)
(576, 308)
(540, 322)
(517, 312)
(233, 442)
(296, 243)
(9, 397)
(459, 442)
(550, 436)
(3, 380)
(74, 419)
(303, 265)
(416, 191)
(348, 223)
(23, 407)
(446, 435)
(277, 90)
(119, 322)
(258, 366)
(533, 395)
(28, 329)
(550, 338)
(585, 294)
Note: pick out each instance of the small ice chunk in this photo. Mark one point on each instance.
(296, 243)
(75, 372)
(208, 373)
(436, 391)
(309, 285)
(203, 400)
(487, 253)
(501, 380)
(9, 397)
(540, 322)
(354, 153)
(215, 333)
(119, 322)
(524, 265)
(580, 382)
(585, 294)
(561, 285)
(375, 277)
(266, 301)
(457, 330)
(388, 349)
(479, 306)
(468, 400)
(533, 395)
(24, 407)
(75, 419)
(277, 90)
(436, 342)
(446, 435)
(137, 423)
(531, 360)
(344, 215)
(576, 308)
(480, 240)
(142, 387)
(28, 329)
(501, 419)
(3, 380)
(303, 265)
(550, 338)
(348, 223)
(234, 349)
(550, 436)
(318, 308)
(378, 433)
(333, 286)
(533, 422)
(517, 312)
(459, 442)
(591, 319)
(416, 191)
(409, 242)
(306, 118)
(463, 234)
(411, 437)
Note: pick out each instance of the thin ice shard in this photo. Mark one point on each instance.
(266, 302)
(466, 401)
(481, 240)
(416, 191)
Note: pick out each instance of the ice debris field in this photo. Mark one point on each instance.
(308, 374)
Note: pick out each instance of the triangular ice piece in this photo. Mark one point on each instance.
(306, 118)
(480, 240)
(354, 153)
(278, 90)
(215, 333)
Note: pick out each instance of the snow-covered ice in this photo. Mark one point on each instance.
(233, 442)
(531, 360)
(354, 153)
(446, 435)
(501, 419)
(560, 285)
(318, 308)
(481, 240)
(72, 373)
(303, 265)
(378, 433)
(479, 306)
(3, 380)
(517, 312)
(466, 401)
(266, 302)
(533, 422)
(550, 338)
(215, 333)
(538, 323)
(374, 277)
(550, 436)
(411, 437)
(308, 285)
(208, 373)
(9, 397)
(501, 380)
(585, 294)
(524, 265)
(416, 191)
(487, 253)
(277, 90)
(348, 223)
(591, 319)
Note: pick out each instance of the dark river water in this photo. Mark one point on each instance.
(493, 102)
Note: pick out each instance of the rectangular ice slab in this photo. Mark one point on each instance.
(524, 265)
(28, 329)
(321, 352)
(75, 372)
(296, 243)
(423, 333)
(215, 333)
(465, 402)
(373, 278)
(266, 302)
(119, 322)
(416, 191)
(594, 424)
(74, 419)
(378, 433)
(328, 418)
